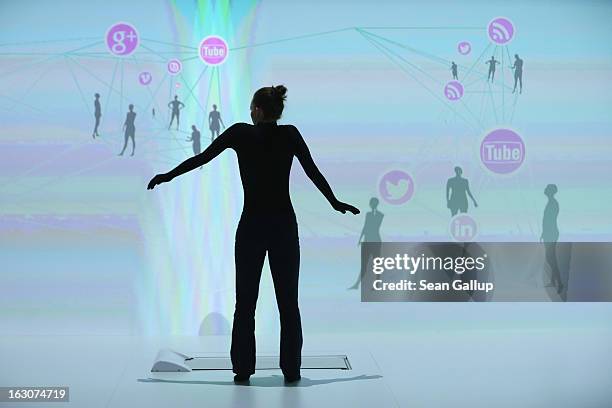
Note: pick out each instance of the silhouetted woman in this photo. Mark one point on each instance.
(97, 114)
(130, 130)
(371, 234)
(265, 152)
(457, 192)
(518, 73)
(195, 140)
(550, 235)
(176, 107)
(492, 63)
(214, 122)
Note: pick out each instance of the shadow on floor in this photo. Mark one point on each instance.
(269, 381)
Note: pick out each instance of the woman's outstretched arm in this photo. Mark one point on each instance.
(312, 171)
(221, 143)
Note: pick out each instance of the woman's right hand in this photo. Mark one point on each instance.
(158, 179)
(344, 207)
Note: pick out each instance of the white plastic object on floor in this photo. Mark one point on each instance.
(168, 360)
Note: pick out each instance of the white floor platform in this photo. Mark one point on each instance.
(488, 368)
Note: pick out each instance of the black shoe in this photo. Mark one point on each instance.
(292, 378)
(241, 378)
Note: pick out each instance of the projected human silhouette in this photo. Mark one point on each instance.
(518, 73)
(195, 140)
(153, 113)
(130, 129)
(371, 234)
(457, 192)
(97, 115)
(454, 70)
(550, 235)
(265, 152)
(492, 63)
(176, 107)
(215, 122)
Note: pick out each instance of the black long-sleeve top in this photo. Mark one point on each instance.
(265, 153)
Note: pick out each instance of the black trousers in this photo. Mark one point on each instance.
(278, 236)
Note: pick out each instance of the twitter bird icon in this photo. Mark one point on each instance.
(396, 187)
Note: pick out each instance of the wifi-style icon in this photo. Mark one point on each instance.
(453, 90)
(500, 30)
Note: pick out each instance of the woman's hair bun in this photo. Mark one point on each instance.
(271, 99)
(280, 90)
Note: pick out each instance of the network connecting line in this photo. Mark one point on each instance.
(478, 99)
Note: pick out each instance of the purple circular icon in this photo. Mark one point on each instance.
(453, 90)
(500, 30)
(502, 151)
(396, 187)
(122, 39)
(145, 78)
(464, 47)
(213, 50)
(463, 228)
(174, 66)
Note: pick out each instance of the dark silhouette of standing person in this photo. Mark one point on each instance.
(214, 122)
(97, 115)
(130, 129)
(153, 112)
(195, 139)
(454, 70)
(370, 234)
(550, 236)
(265, 151)
(457, 191)
(492, 63)
(176, 107)
(518, 73)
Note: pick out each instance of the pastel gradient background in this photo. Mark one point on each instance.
(85, 248)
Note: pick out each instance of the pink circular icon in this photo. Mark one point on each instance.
(453, 90)
(174, 66)
(500, 30)
(464, 47)
(145, 78)
(463, 228)
(502, 151)
(396, 187)
(122, 39)
(213, 50)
